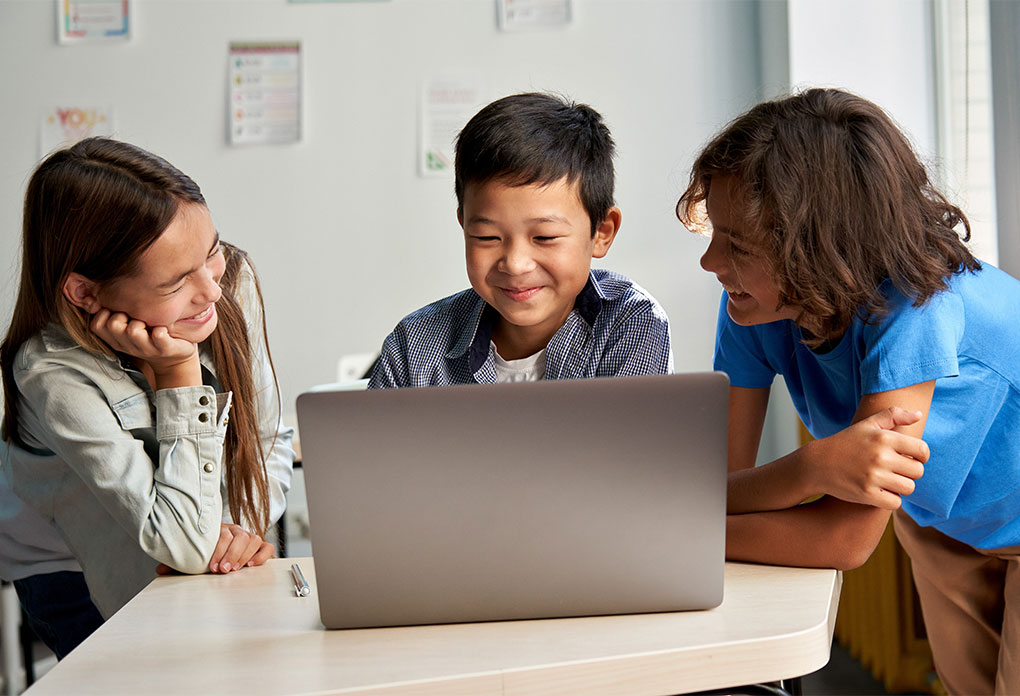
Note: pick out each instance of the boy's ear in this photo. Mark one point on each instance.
(81, 292)
(460, 217)
(605, 233)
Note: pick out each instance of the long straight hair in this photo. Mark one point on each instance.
(94, 209)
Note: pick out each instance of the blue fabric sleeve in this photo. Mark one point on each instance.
(913, 344)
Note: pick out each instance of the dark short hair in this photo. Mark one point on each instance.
(839, 203)
(539, 138)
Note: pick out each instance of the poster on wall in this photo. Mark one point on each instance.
(66, 125)
(93, 20)
(265, 92)
(522, 15)
(446, 104)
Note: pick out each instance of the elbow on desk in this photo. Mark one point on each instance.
(825, 534)
(851, 557)
(852, 536)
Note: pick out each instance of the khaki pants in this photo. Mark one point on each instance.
(970, 599)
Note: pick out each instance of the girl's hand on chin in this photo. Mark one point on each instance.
(154, 346)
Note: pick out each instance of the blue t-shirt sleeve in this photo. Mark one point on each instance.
(739, 352)
(912, 344)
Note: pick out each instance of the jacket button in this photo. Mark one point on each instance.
(208, 467)
(203, 400)
(203, 417)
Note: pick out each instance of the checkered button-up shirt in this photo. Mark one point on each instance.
(616, 328)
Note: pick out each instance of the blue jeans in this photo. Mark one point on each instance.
(59, 609)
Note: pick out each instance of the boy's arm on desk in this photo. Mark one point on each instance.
(827, 533)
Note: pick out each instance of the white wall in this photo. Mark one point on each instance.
(878, 49)
(346, 236)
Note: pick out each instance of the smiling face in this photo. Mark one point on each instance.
(529, 250)
(738, 262)
(176, 284)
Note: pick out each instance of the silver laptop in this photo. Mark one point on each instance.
(516, 501)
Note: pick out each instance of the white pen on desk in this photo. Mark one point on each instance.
(300, 586)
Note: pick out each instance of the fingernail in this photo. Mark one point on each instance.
(214, 567)
(225, 567)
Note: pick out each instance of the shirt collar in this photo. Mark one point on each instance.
(56, 339)
(474, 339)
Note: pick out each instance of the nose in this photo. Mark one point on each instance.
(714, 256)
(517, 259)
(210, 290)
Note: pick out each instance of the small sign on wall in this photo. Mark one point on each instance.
(93, 20)
(447, 103)
(264, 92)
(521, 15)
(65, 125)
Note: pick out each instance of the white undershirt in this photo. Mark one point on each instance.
(529, 369)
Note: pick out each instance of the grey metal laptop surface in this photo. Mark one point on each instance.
(515, 501)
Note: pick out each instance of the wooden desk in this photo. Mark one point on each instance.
(247, 633)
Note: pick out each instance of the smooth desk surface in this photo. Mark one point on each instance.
(247, 633)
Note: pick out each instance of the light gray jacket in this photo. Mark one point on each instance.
(129, 478)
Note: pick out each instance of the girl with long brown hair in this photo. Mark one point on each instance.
(844, 272)
(135, 334)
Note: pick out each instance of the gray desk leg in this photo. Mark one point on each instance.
(793, 686)
(786, 687)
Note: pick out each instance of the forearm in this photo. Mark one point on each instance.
(829, 533)
(181, 524)
(778, 485)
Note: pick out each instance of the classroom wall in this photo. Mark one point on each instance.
(346, 235)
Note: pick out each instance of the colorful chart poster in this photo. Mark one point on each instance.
(66, 125)
(93, 20)
(265, 92)
(447, 103)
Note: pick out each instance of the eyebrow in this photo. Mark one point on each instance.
(185, 274)
(732, 234)
(479, 220)
(550, 218)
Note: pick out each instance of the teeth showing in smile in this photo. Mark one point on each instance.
(734, 292)
(201, 315)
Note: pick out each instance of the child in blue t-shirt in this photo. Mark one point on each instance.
(844, 273)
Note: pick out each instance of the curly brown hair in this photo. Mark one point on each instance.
(839, 203)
